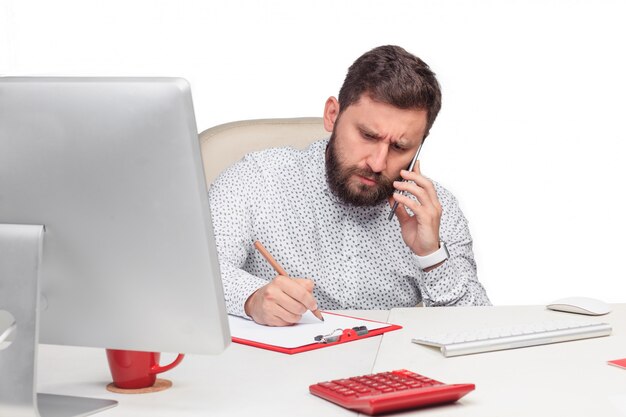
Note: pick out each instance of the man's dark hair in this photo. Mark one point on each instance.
(391, 75)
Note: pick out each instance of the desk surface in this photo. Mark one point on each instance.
(561, 379)
(242, 381)
(570, 378)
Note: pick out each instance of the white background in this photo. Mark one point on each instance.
(531, 134)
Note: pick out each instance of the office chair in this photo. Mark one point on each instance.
(223, 145)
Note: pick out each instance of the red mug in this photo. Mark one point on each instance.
(132, 369)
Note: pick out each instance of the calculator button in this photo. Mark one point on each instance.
(368, 394)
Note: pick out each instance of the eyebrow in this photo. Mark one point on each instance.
(368, 131)
(402, 142)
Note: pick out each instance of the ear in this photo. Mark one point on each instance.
(331, 111)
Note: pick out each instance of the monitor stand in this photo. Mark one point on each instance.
(20, 257)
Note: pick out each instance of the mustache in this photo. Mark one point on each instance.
(367, 173)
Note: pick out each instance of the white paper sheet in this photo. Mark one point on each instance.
(300, 334)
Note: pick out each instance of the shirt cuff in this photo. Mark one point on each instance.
(432, 279)
(248, 285)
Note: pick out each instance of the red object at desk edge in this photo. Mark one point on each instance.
(618, 362)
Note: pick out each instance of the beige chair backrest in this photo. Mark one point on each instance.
(225, 144)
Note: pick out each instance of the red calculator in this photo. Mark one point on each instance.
(389, 391)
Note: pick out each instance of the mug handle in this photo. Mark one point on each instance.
(156, 369)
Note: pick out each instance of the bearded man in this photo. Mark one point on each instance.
(324, 212)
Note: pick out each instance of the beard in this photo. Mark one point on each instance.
(346, 188)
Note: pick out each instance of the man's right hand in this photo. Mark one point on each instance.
(282, 302)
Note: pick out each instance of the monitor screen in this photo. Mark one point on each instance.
(111, 168)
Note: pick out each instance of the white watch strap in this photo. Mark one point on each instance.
(434, 258)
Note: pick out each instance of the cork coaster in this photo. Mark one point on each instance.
(159, 385)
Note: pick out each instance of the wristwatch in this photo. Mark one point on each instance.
(434, 258)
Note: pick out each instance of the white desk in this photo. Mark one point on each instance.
(567, 379)
(563, 379)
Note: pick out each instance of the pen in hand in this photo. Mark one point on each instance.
(395, 204)
(279, 269)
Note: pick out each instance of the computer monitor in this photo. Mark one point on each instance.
(102, 196)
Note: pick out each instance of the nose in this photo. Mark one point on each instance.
(377, 160)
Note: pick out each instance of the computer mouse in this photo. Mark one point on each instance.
(580, 305)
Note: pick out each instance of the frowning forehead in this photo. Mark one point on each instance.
(376, 120)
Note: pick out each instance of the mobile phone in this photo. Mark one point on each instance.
(410, 168)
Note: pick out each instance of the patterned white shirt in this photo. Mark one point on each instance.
(355, 256)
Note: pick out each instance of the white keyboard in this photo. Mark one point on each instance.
(511, 337)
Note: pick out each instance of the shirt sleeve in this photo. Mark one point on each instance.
(231, 200)
(454, 283)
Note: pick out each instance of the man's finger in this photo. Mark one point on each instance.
(285, 317)
(422, 181)
(401, 213)
(306, 283)
(406, 204)
(417, 190)
(299, 293)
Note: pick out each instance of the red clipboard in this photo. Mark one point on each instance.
(348, 335)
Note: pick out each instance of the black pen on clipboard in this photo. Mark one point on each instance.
(395, 205)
